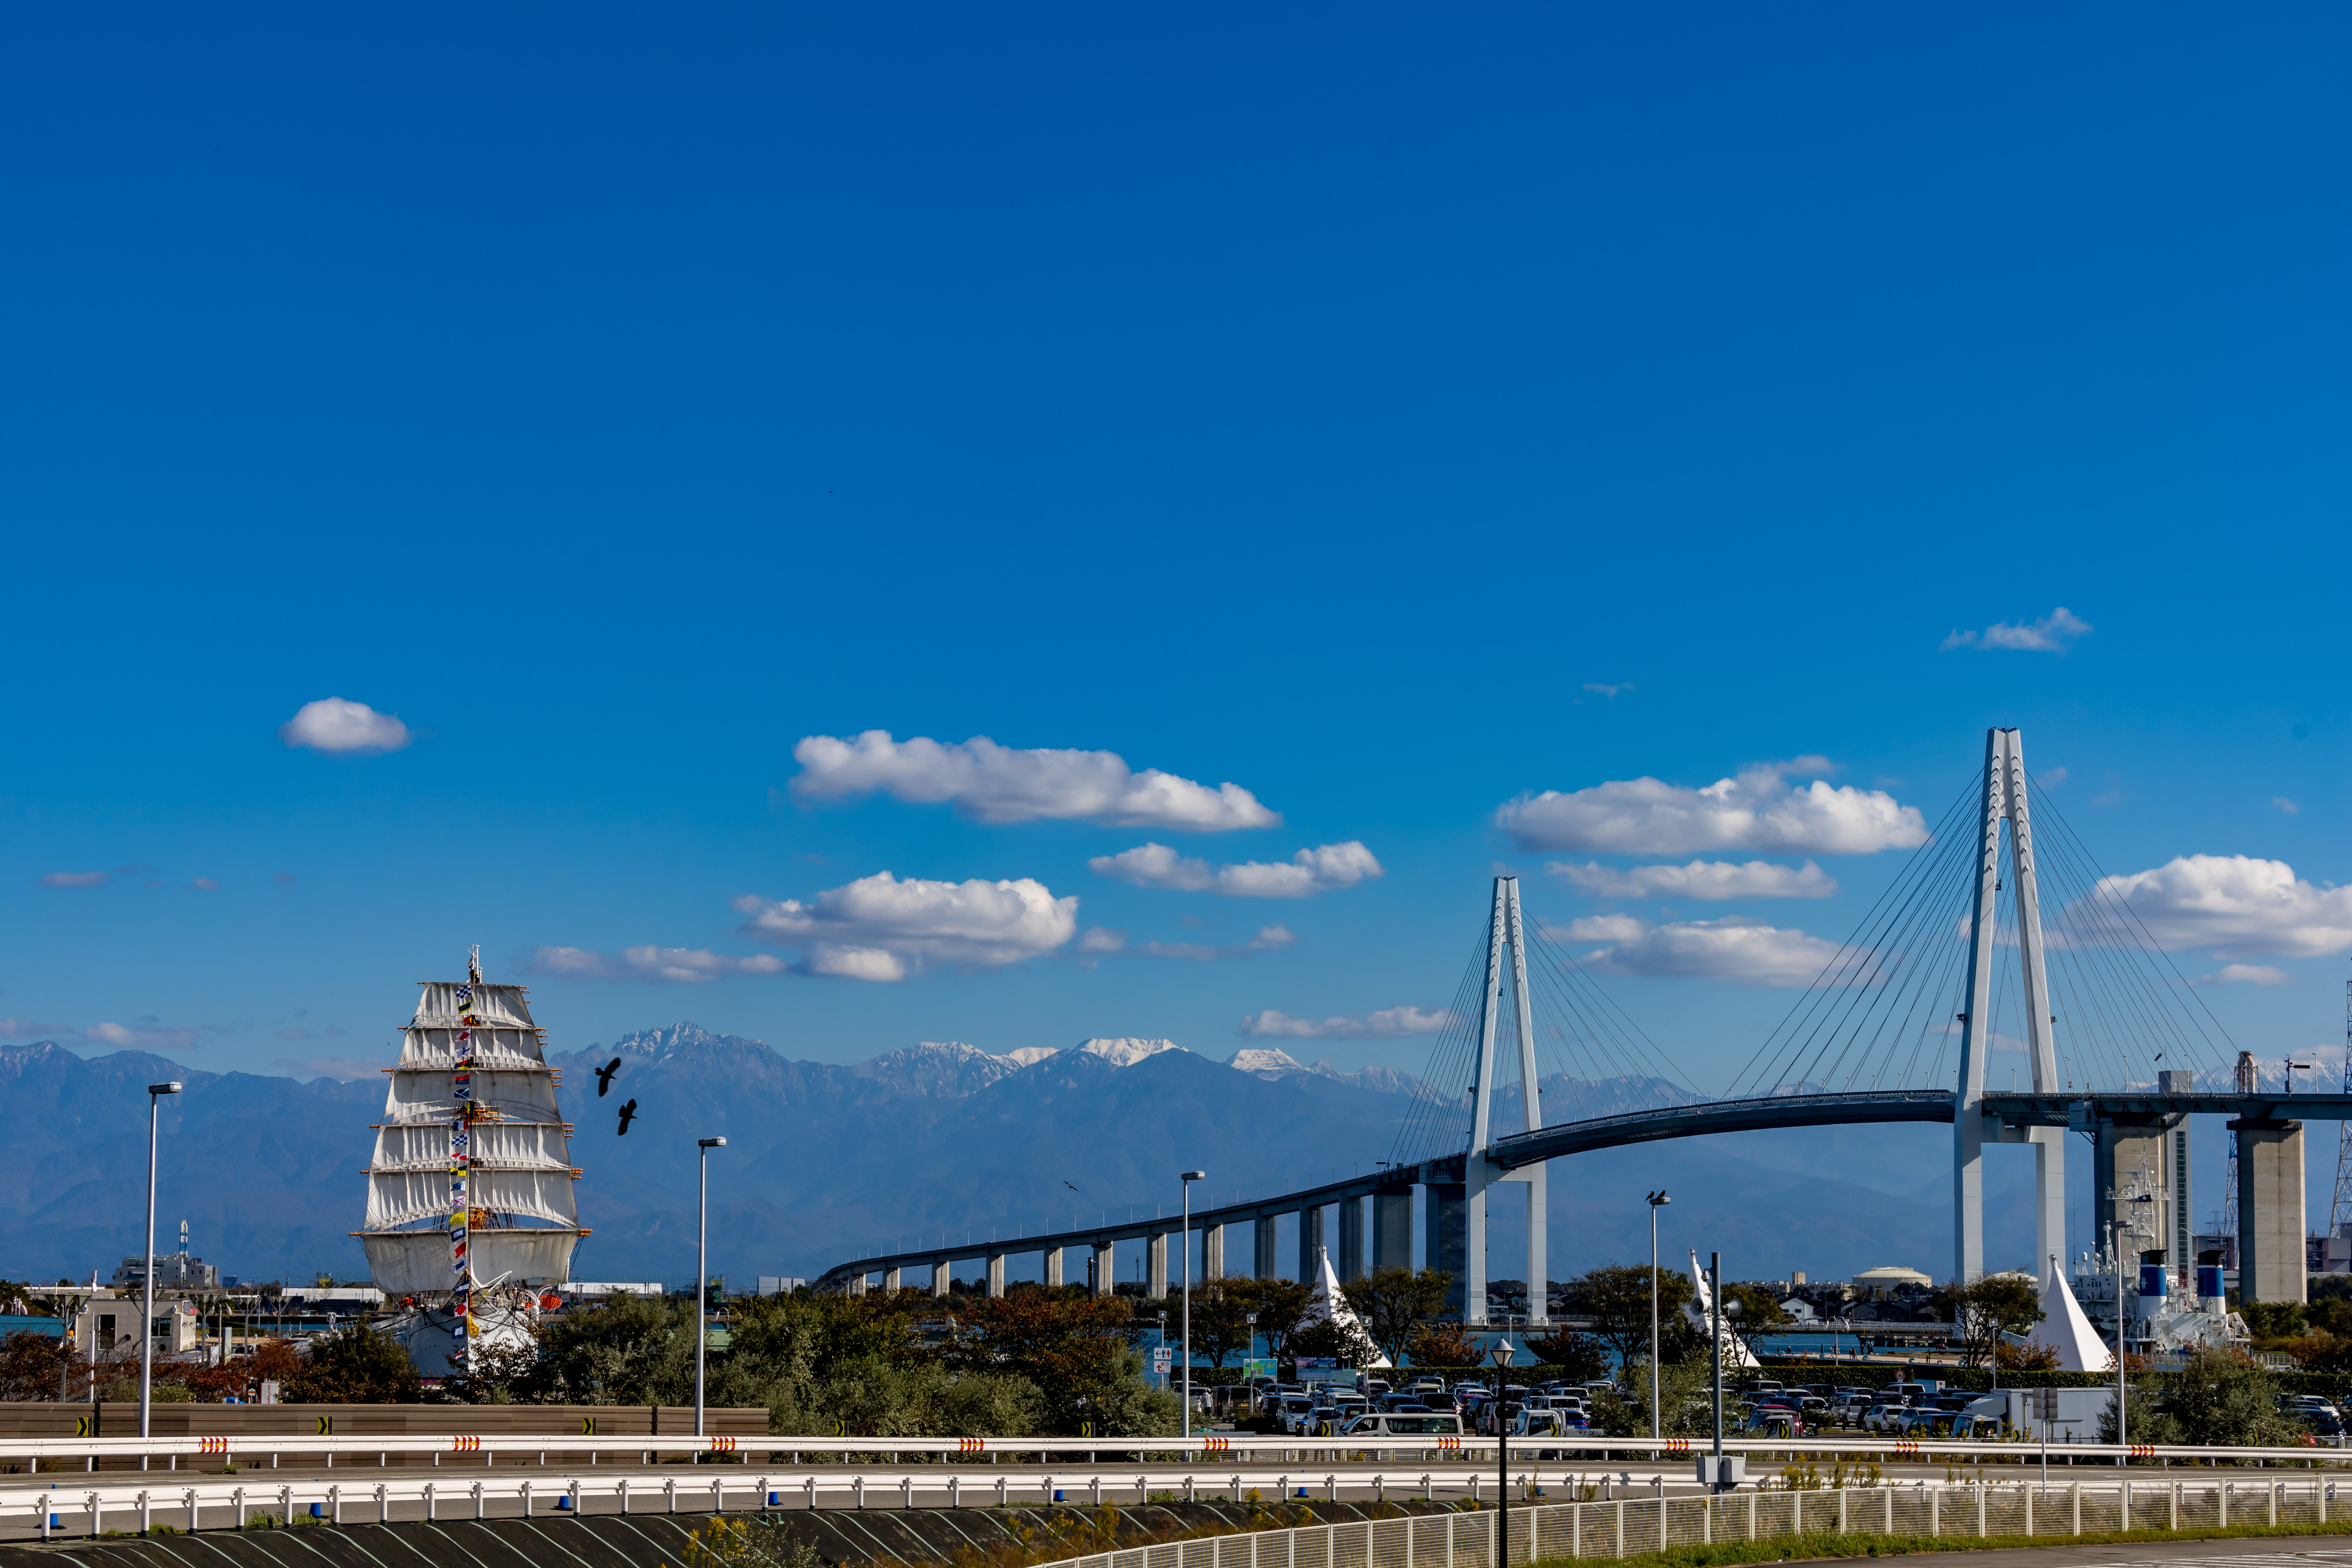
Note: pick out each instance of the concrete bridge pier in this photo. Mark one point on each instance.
(1106, 1267)
(890, 1281)
(1351, 1260)
(1212, 1252)
(1264, 1264)
(2271, 1259)
(942, 1273)
(1449, 1238)
(1155, 1268)
(857, 1285)
(1392, 1229)
(996, 1274)
(1310, 1245)
(2136, 1151)
(1053, 1267)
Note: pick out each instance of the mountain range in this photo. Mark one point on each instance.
(937, 1141)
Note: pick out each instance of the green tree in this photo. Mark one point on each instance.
(1075, 1353)
(358, 1365)
(1617, 1298)
(1395, 1302)
(1221, 1317)
(2221, 1397)
(1760, 1313)
(631, 1349)
(1981, 1312)
(1580, 1357)
(1343, 1342)
(1684, 1389)
(1280, 1305)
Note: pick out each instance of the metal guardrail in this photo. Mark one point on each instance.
(488, 1448)
(1623, 1526)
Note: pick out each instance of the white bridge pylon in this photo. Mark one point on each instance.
(1480, 1173)
(2004, 801)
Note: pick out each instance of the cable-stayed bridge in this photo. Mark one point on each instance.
(2001, 934)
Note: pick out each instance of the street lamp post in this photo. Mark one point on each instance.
(1186, 1179)
(155, 1093)
(1503, 1352)
(702, 1265)
(1657, 1201)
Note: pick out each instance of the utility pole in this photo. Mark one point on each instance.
(1657, 1200)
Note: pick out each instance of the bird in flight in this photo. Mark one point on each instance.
(1071, 1186)
(604, 1076)
(628, 1114)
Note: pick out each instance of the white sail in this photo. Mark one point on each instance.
(416, 1262)
(511, 1145)
(471, 1179)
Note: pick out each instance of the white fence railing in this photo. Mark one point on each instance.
(1626, 1526)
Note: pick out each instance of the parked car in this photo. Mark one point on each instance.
(1885, 1417)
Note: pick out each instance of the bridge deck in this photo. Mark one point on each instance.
(1855, 1108)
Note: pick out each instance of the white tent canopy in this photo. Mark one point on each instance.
(2066, 1329)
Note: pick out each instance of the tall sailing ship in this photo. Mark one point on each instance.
(470, 1214)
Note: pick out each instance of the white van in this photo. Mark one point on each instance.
(1402, 1424)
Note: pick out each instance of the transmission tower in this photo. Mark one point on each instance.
(2339, 1213)
(2244, 1081)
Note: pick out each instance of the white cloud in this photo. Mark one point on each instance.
(2238, 907)
(31, 1029)
(2286, 805)
(2053, 632)
(332, 724)
(2251, 975)
(999, 783)
(2054, 778)
(73, 879)
(1387, 1024)
(1598, 928)
(870, 928)
(346, 1069)
(1097, 943)
(202, 885)
(686, 964)
(1744, 951)
(1710, 880)
(875, 963)
(1321, 869)
(1606, 689)
(146, 1035)
(1155, 865)
(1755, 810)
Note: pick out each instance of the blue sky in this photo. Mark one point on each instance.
(1390, 415)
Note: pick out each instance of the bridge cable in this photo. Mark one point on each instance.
(1851, 986)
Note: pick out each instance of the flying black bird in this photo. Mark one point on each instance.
(604, 1076)
(628, 1114)
(1071, 1186)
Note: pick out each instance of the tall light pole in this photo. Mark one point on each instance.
(1502, 1354)
(155, 1093)
(1657, 1200)
(1186, 1179)
(702, 1267)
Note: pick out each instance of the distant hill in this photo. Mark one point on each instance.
(827, 1160)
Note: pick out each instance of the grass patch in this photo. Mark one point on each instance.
(1820, 1545)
